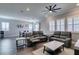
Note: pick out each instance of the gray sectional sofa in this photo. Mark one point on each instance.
(65, 37)
(36, 37)
(39, 35)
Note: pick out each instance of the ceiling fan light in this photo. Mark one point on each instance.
(50, 11)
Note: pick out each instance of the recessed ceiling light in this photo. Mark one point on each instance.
(27, 9)
(77, 4)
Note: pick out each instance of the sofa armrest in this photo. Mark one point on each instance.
(51, 35)
(67, 39)
(43, 35)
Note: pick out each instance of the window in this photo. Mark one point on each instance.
(70, 24)
(60, 25)
(76, 24)
(52, 26)
(36, 27)
(30, 27)
(5, 26)
(73, 24)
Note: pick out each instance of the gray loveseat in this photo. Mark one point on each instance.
(40, 35)
(36, 37)
(65, 37)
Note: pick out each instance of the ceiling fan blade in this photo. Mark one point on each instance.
(53, 11)
(44, 11)
(47, 7)
(57, 9)
(50, 7)
(54, 6)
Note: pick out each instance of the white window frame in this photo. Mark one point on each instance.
(30, 27)
(60, 24)
(73, 24)
(70, 24)
(76, 23)
(5, 26)
(52, 26)
(36, 27)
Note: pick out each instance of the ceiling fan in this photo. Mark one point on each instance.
(52, 8)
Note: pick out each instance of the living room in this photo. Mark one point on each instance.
(28, 29)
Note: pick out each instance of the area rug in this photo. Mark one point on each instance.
(67, 51)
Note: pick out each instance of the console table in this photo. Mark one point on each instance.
(22, 40)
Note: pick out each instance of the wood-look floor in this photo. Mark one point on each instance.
(38, 50)
(29, 50)
(7, 46)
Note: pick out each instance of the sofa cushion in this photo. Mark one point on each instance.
(57, 33)
(57, 36)
(63, 40)
(34, 33)
(54, 38)
(41, 37)
(68, 34)
(63, 37)
(58, 39)
(28, 34)
(40, 33)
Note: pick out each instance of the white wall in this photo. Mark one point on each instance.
(13, 30)
(45, 24)
(73, 12)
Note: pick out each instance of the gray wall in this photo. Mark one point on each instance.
(13, 30)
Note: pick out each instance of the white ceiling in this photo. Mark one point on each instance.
(14, 10)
